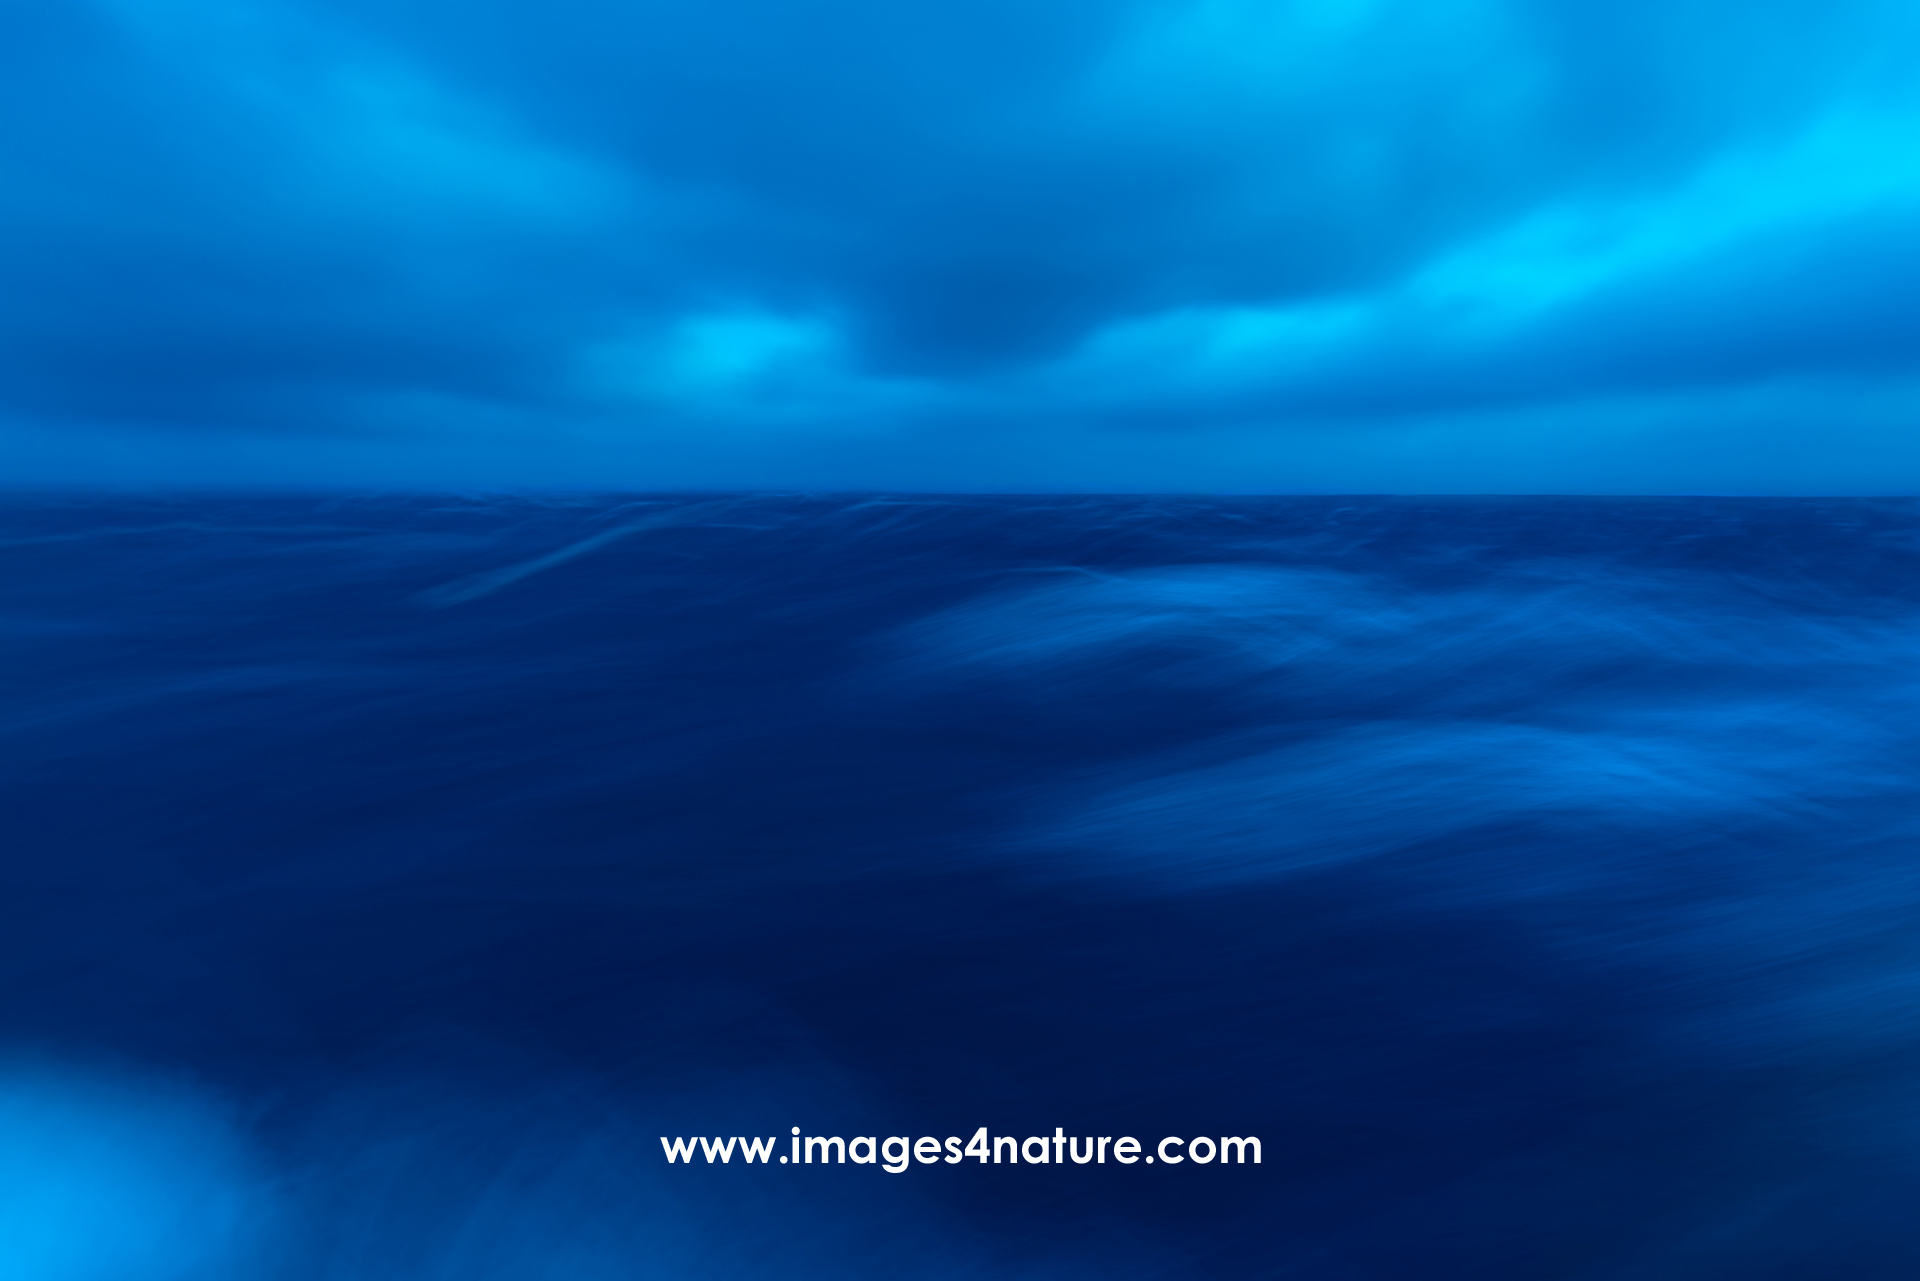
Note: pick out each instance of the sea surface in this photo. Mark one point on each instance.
(381, 878)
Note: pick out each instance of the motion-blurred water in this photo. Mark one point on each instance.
(382, 877)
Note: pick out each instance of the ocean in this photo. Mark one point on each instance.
(383, 878)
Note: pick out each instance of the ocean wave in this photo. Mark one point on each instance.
(1537, 876)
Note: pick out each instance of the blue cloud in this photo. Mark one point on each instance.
(1211, 243)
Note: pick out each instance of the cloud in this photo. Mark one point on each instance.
(1081, 245)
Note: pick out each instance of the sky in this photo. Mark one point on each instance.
(1619, 246)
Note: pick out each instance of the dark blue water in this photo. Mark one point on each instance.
(381, 878)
